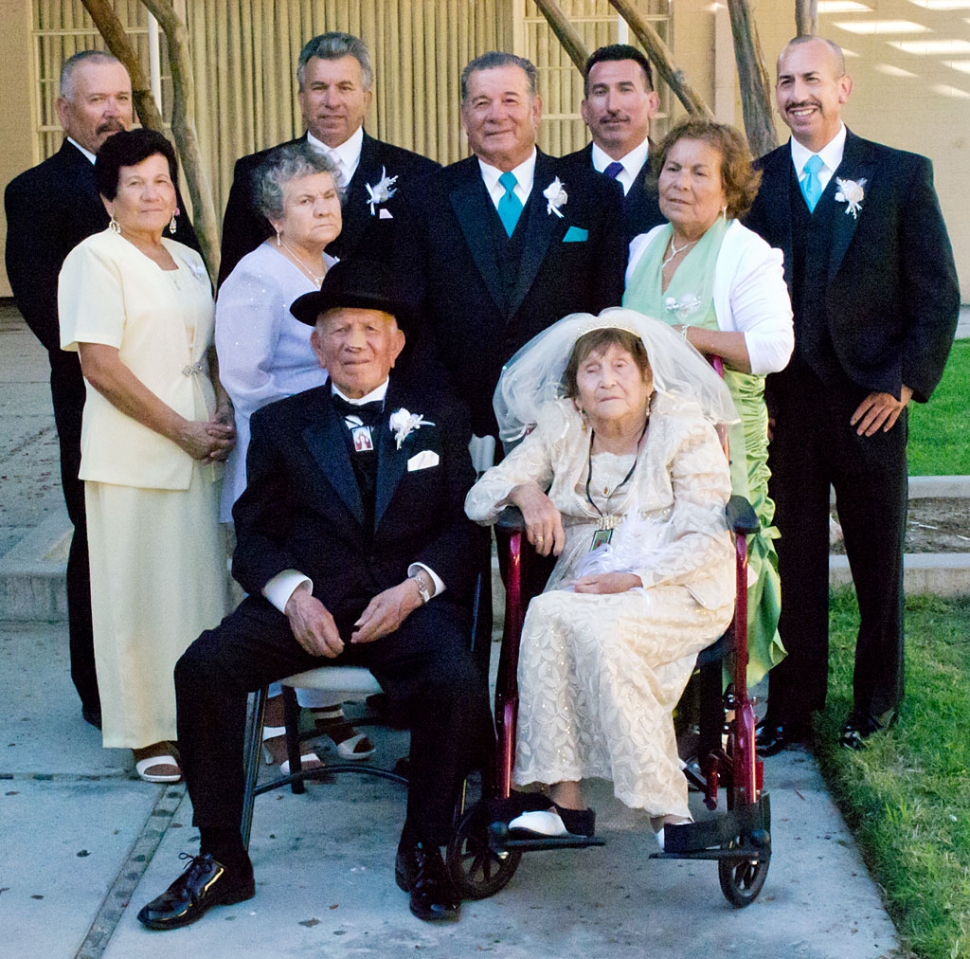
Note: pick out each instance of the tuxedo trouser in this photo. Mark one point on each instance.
(426, 669)
(815, 445)
(67, 395)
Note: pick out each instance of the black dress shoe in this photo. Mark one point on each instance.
(859, 727)
(92, 715)
(204, 883)
(771, 737)
(420, 871)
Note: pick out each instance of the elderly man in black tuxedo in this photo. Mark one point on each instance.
(353, 546)
(874, 291)
(335, 77)
(618, 103)
(502, 244)
(50, 209)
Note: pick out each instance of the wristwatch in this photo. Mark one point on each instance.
(423, 590)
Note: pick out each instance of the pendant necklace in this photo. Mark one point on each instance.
(675, 251)
(317, 280)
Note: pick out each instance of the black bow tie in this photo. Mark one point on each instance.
(368, 413)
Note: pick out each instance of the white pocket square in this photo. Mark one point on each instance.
(422, 460)
(385, 215)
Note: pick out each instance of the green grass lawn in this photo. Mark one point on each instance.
(907, 795)
(938, 430)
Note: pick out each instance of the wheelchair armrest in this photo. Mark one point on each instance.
(741, 517)
(510, 520)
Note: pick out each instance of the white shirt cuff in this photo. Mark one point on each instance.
(282, 586)
(439, 586)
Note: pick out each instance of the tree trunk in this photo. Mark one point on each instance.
(659, 55)
(753, 77)
(565, 32)
(113, 32)
(186, 136)
(806, 17)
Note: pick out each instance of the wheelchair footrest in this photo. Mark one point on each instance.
(326, 773)
(747, 826)
(501, 839)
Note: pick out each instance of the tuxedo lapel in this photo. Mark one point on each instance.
(357, 212)
(776, 184)
(328, 446)
(391, 461)
(77, 168)
(541, 226)
(472, 206)
(856, 165)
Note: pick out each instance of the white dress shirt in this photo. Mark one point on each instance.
(346, 156)
(632, 164)
(524, 175)
(87, 153)
(830, 155)
(281, 587)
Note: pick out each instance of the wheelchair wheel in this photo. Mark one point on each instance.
(477, 870)
(741, 879)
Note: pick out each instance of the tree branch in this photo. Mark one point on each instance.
(565, 32)
(753, 77)
(660, 56)
(806, 17)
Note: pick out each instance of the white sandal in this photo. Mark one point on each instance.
(143, 765)
(279, 732)
(345, 750)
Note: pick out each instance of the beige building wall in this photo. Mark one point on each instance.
(915, 98)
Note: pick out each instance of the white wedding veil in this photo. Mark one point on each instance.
(534, 376)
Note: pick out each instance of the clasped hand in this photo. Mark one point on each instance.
(316, 631)
(543, 522)
(211, 440)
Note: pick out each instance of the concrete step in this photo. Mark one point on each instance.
(32, 585)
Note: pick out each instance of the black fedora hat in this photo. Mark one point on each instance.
(364, 284)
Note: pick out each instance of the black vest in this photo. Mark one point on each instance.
(508, 250)
(811, 249)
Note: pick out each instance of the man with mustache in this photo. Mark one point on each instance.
(618, 104)
(874, 292)
(335, 80)
(50, 209)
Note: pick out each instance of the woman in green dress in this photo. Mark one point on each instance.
(723, 288)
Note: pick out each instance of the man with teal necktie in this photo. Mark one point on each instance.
(504, 243)
(874, 292)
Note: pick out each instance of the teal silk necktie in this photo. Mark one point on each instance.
(510, 206)
(810, 183)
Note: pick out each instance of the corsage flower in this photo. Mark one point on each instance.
(403, 423)
(381, 191)
(852, 194)
(686, 306)
(557, 196)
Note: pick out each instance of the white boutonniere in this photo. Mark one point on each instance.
(852, 194)
(381, 191)
(403, 423)
(557, 196)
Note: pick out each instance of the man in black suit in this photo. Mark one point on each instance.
(618, 103)
(335, 78)
(501, 245)
(50, 209)
(874, 291)
(353, 546)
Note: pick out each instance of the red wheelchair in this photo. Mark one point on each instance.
(483, 855)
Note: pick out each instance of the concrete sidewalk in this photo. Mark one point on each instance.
(85, 844)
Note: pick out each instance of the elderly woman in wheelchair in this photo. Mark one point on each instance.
(620, 474)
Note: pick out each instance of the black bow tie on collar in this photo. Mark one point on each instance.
(368, 413)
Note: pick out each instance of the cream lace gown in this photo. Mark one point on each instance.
(600, 675)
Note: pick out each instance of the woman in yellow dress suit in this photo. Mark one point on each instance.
(138, 307)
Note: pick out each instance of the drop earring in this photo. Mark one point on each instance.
(113, 225)
(173, 226)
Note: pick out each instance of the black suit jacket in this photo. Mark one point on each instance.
(445, 257)
(302, 507)
(244, 228)
(892, 300)
(50, 209)
(641, 210)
